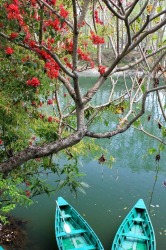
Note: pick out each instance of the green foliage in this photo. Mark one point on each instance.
(71, 175)
(137, 123)
(152, 151)
(12, 194)
(163, 132)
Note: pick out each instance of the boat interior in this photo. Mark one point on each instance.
(135, 232)
(81, 237)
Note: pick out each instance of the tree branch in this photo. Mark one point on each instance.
(128, 124)
(139, 14)
(57, 60)
(40, 151)
(112, 10)
(56, 13)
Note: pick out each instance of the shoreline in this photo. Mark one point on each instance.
(94, 72)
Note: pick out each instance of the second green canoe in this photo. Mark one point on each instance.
(136, 231)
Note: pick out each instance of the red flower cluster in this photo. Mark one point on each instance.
(52, 68)
(83, 56)
(68, 45)
(54, 24)
(64, 13)
(67, 63)
(13, 35)
(96, 39)
(97, 19)
(13, 12)
(52, 2)
(81, 24)
(34, 82)
(50, 102)
(43, 54)
(53, 119)
(33, 2)
(28, 193)
(50, 119)
(9, 51)
(1, 142)
(102, 69)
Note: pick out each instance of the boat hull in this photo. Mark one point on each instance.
(136, 231)
(81, 235)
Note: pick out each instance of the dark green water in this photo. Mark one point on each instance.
(112, 192)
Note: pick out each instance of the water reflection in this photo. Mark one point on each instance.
(112, 191)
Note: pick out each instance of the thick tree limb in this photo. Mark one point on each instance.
(40, 151)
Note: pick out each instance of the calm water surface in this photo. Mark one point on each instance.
(112, 192)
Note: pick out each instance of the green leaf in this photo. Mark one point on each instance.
(163, 132)
(143, 88)
(158, 9)
(137, 123)
(152, 151)
(161, 147)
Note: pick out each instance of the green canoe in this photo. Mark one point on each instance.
(72, 231)
(136, 231)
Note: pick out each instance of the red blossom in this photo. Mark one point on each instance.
(13, 12)
(81, 24)
(9, 51)
(64, 13)
(41, 116)
(96, 39)
(97, 19)
(40, 104)
(67, 63)
(84, 56)
(13, 35)
(13, 8)
(52, 2)
(50, 119)
(55, 24)
(102, 69)
(1, 142)
(33, 2)
(34, 82)
(33, 103)
(50, 102)
(28, 193)
(32, 44)
(52, 69)
(92, 64)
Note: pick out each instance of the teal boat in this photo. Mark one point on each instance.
(136, 231)
(72, 231)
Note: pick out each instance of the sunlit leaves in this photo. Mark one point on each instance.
(152, 150)
(149, 8)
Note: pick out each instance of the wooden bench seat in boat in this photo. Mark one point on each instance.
(65, 216)
(138, 236)
(138, 219)
(85, 248)
(78, 231)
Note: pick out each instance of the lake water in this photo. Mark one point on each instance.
(112, 190)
